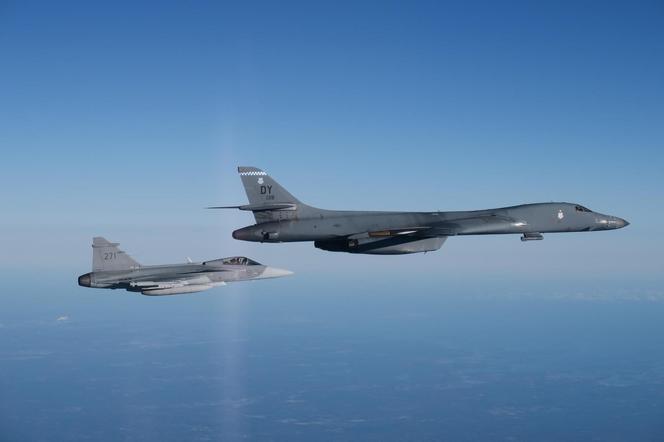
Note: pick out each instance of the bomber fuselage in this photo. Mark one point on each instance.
(522, 219)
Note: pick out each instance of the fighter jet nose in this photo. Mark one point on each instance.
(272, 272)
(622, 223)
(84, 280)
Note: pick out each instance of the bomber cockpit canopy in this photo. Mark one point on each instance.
(582, 209)
(233, 261)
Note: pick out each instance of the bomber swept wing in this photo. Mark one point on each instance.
(414, 239)
(386, 242)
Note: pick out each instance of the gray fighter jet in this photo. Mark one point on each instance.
(114, 269)
(280, 217)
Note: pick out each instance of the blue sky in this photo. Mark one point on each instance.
(125, 120)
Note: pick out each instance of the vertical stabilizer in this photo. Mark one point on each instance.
(263, 192)
(106, 256)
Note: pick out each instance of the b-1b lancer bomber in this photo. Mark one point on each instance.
(114, 269)
(280, 217)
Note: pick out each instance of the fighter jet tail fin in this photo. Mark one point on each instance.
(106, 256)
(267, 199)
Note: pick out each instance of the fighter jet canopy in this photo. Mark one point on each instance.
(233, 261)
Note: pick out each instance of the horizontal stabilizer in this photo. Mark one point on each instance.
(260, 207)
(223, 207)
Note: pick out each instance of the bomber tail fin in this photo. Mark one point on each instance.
(106, 256)
(268, 200)
(261, 188)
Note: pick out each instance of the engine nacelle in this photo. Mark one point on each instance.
(382, 246)
(257, 233)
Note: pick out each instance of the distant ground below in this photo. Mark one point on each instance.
(345, 363)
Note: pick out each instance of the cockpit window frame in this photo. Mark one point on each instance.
(580, 208)
(239, 261)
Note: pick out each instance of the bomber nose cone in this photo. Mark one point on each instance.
(84, 280)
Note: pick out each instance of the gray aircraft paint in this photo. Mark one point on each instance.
(280, 217)
(112, 268)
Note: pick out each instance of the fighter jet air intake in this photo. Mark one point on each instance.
(114, 269)
(280, 217)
